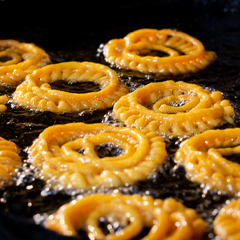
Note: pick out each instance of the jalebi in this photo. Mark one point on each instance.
(68, 153)
(21, 59)
(166, 219)
(3, 100)
(36, 92)
(185, 53)
(9, 161)
(173, 108)
(205, 159)
(226, 224)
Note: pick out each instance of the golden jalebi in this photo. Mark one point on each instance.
(173, 108)
(21, 59)
(67, 153)
(166, 219)
(3, 101)
(205, 159)
(226, 224)
(9, 161)
(36, 93)
(186, 54)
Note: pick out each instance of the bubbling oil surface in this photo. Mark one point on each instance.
(31, 196)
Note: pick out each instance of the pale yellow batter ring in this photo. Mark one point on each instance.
(166, 219)
(36, 93)
(23, 59)
(226, 224)
(199, 109)
(9, 161)
(124, 53)
(205, 159)
(56, 154)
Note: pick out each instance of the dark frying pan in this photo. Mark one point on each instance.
(70, 32)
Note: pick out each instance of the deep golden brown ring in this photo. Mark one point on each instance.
(126, 53)
(226, 224)
(23, 59)
(204, 159)
(56, 154)
(36, 93)
(173, 108)
(166, 219)
(9, 161)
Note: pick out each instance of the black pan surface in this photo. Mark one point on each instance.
(75, 33)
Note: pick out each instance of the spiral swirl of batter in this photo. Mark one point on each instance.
(185, 53)
(173, 108)
(166, 219)
(67, 153)
(21, 59)
(36, 93)
(205, 159)
(9, 161)
(226, 224)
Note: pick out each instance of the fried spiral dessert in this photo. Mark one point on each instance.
(173, 108)
(21, 59)
(36, 93)
(9, 161)
(166, 219)
(3, 100)
(185, 53)
(205, 159)
(68, 153)
(226, 224)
